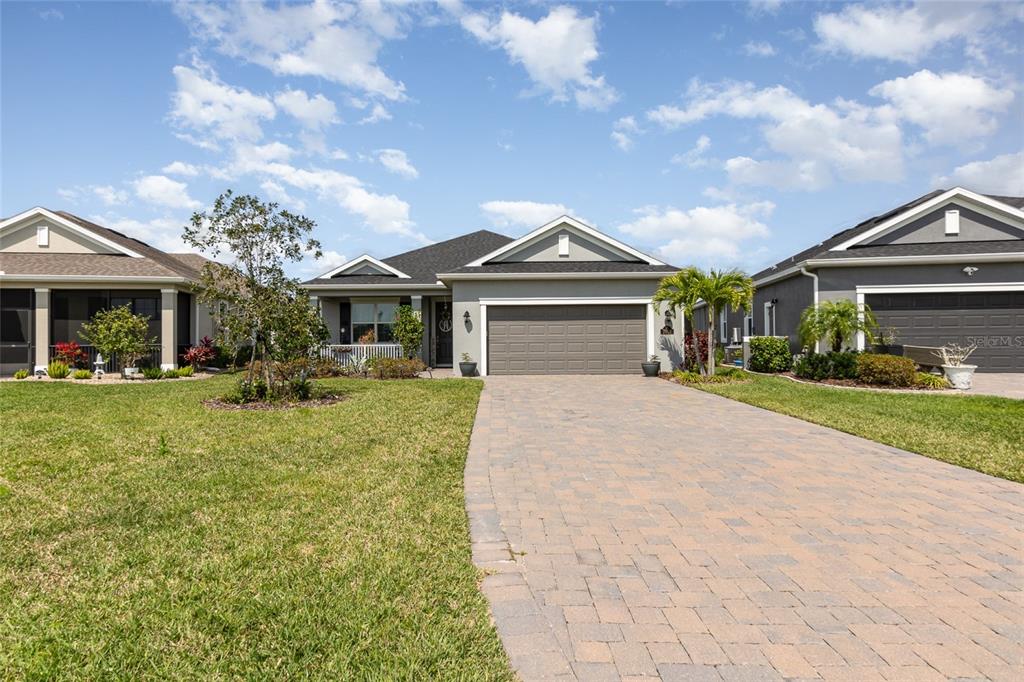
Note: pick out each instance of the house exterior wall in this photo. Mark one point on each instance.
(838, 283)
(931, 228)
(61, 240)
(466, 295)
(791, 295)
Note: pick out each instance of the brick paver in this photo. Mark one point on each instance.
(633, 528)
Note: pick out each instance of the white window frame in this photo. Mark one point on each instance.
(374, 302)
(769, 318)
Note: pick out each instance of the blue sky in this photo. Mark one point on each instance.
(710, 133)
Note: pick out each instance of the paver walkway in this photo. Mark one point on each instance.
(633, 528)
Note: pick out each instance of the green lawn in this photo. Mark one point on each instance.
(143, 536)
(981, 433)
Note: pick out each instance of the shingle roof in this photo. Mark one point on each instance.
(822, 250)
(933, 249)
(82, 265)
(565, 267)
(423, 264)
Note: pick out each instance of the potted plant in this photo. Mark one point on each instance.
(957, 373)
(467, 367)
(651, 366)
(119, 332)
(887, 342)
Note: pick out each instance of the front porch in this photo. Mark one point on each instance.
(361, 326)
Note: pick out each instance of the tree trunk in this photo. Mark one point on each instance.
(837, 343)
(711, 341)
(696, 347)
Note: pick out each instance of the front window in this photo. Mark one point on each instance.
(373, 321)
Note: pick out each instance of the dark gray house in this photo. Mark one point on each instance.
(947, 267)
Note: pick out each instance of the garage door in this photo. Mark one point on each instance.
(565, 339)
(993, 320)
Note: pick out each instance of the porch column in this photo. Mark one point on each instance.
(168, 328)
(41, 336)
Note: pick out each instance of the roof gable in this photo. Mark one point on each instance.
(978, 203)
(79, 237)
(542, 245)
(364, 265)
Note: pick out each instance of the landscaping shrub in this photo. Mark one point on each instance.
(396, 368)
(70, 353)
(82, 374)
(719, 377)
(201, 354)
(689, 357)
(170, 374)
(58, 370)
(152, 373)
(248, 392)
(186, 371)
(408, 330)
(886, 370)
(21, 374)
(831, 365)
(930, 381)
(770, 354)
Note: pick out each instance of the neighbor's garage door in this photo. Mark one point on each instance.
(993, 320)
(565, 339)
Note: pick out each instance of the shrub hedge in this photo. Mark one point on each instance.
(886, 370)
(396, 368)
(770, 354)
(831, 365)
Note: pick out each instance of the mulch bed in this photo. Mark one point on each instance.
(218, 404)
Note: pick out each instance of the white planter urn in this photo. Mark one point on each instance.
(959, 375)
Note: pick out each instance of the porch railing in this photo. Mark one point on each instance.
(113, 363)
(347, 353)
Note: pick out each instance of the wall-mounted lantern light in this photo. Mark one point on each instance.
(465, 316)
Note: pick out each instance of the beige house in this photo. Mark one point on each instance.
(57, 270)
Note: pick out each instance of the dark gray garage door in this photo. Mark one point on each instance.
(565, 339)
(993, 320)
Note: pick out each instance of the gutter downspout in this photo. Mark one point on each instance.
(804, 271)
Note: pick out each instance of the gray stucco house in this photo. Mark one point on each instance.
(57, 269)
(945, 267)
(563, 299)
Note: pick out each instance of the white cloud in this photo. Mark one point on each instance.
(377, 114)
(759, 48)
(807, 175)
(315, 112)
(623, 131)
(556, 52)
(396, 161)
(181, 168)
(950, 107)
(703, 233)
(54, 14)
(694, 157)
(1003, 175)
(339, 155)
(161, 190)
(109, 195)
(204, 103)
(328, 261)
(276, 192)
(844, 139)
(900, 33)
(335, 41)
(522, 213)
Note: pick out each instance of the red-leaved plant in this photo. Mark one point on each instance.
(71, 354)
(690, 357)
(200, 354)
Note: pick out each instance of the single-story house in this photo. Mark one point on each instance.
(563, 299)
(947, 267)
(57, 270)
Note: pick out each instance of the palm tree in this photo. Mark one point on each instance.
(718, 289)
(680, 291)
(835, 321)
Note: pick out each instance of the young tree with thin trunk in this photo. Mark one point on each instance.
(680, 291)
(256, 299)
(835, 321)
(723, 289)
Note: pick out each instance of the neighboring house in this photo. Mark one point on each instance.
(948, 267)
(564, 299)
(57, 270)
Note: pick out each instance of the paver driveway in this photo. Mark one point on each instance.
(634, 528)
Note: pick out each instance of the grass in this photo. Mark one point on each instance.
(146, 537)
(977, 432)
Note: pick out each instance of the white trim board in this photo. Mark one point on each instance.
(606, 300)
(553, 225)
(983, 204)
(46, 213)
(359, 260)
